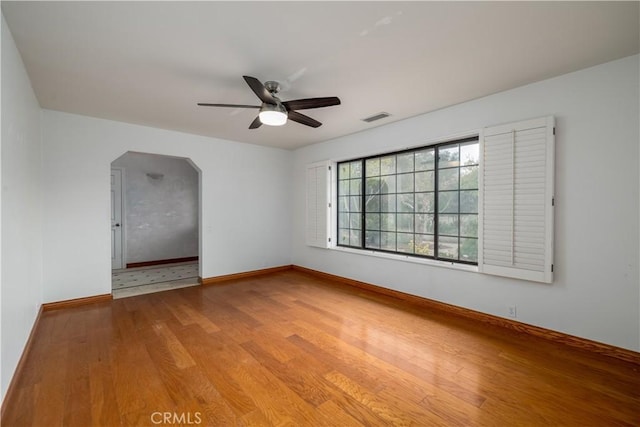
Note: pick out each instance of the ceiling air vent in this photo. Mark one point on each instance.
(375, 117)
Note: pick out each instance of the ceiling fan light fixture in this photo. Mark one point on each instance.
(273, 115)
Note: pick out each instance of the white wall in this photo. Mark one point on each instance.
(21, 225)
(245, 197)
(596, 290)
(160, 213)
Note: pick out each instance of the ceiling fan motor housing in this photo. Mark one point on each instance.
(272, 87)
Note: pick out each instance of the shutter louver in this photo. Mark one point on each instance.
(517, 197)
(317, 227)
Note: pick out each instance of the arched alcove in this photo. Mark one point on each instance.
(159, 219)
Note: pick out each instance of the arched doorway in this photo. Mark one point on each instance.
(158, 223)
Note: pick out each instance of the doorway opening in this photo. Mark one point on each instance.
(155, 217)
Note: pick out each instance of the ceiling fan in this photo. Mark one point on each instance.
(273, 111)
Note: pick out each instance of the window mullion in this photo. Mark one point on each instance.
(459, 205)
(363, 200)
(415, 238)
(395, 192)
(436, 165)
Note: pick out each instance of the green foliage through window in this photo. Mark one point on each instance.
(421, 202)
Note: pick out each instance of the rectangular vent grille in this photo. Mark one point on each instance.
(375, 117)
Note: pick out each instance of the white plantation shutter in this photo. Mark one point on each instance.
(318, 192)
(516, 196)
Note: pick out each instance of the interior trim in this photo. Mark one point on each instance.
(161, 262)
(227, 277)
(547, 334)
(76, 302)
(13, 384)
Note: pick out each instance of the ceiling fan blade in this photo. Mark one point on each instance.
(256, 123)
(202, 104)
(305, 120)
(305, 104)
(259, 89)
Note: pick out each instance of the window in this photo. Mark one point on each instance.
(485, 201)
(421, 202)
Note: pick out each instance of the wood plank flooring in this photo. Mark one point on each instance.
(294, 350)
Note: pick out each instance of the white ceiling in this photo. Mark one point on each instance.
(149, 63)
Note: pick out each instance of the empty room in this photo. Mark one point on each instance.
(320, 213)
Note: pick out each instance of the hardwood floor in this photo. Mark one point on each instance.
(293, 349)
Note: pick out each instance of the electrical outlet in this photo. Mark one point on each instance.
(512, 311)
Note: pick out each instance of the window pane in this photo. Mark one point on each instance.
(355, 221)
(424, 244)
(356, 169)
(405, 223)
(373, 186)
(405, 202)
(405, 243)
(388, 203)
(388, 222)
(469, 225)
(388, 241)
(469, 250)
(405, 183)
(469, 201)
(388, 184)
(448, 156)
(469, 153)
(424, 181)
(354, 203)
(343, 220)
(448, 179)
(343, 187)
(373, 167)
(425, 202)
(448, 247)
(373, 221)
(405, 162)
(388, 165)
(372, 203)
(343, 236)
(448, 201)
(469, 177)
(424, 223)
(425, 159)
(343, 171)
(355, 238)
(356, 186)
(343, 204)
(448, 224)
(372, 239)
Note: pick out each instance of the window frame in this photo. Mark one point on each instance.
(362, 248)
